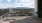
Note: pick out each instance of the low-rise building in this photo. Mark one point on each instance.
(21, 11)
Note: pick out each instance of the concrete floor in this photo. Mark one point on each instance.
(27, 20)
(15, 18)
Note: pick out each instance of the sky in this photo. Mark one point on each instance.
(16, 3)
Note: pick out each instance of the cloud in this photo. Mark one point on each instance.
(2, 6)
(30, 4)
(25, 3)
(22, 1)
(9, 0)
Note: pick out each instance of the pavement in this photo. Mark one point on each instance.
(21, 19)
(9, 19)
(27, 20)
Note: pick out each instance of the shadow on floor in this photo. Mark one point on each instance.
(33, 20)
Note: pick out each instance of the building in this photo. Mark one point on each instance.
(21, 11)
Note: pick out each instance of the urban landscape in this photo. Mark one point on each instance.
(19, 11)
(18, 15)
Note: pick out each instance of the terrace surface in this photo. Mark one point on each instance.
(21, 19)
(27, 20)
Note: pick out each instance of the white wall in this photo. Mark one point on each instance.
(35, 5)
(35, 8)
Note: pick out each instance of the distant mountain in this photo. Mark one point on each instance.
(21, 8)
